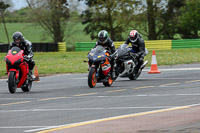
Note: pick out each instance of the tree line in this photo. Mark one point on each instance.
(154, 19)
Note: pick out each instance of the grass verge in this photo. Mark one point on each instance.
(72, 62)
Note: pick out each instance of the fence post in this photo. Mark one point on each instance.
(62, 47)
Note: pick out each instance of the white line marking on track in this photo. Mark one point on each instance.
(54, 128)
(143, 87)
(18, 98)
(168, 78)
(87, 94)
(151, 95)
(102, 96)
(175, 69)
(3, 79)
(192, 81)
(15, 103)
(116, 90)
(81, 109)
(53, 98)
(23, 127)
(81, 78)
(197, 94)
(169, 84)
(145, 70)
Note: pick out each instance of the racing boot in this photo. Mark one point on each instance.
(113, 69)
(113, 72)
(32, 74)
(107, 77)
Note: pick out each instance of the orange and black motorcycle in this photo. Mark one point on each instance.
(99, 67)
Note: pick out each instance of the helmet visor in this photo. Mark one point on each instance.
(102, 39)
(133, 39)
(17, 41)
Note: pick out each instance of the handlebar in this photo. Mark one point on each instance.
(26, 58)
(114, 55)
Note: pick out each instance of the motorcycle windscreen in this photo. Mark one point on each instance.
(98, 49)
(15, 50)
(97, 54)
(122, 50)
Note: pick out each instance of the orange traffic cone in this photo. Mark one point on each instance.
(36, 74)
(154, 68)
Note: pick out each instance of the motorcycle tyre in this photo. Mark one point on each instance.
(134, 76)
(92, 79)
(12, 85)
(28, 87)
(109, 82)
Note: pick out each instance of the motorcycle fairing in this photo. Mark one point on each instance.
(14, 62)
(25, 70)
(128, 68)
(17, 56)
(106, 67)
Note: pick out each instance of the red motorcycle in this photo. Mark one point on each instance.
(18, 70)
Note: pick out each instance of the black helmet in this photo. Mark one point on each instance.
(17, 37)
(133, 35)
(103, 36)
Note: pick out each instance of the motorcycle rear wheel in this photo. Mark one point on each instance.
(134, 76)
(28, 87)
(92, 79)
(109, 82)
(12, 85)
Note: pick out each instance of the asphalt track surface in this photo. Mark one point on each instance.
(166, 102)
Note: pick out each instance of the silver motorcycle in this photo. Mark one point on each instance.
(126, 63)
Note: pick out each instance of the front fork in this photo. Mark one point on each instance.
(97, 70)
(92, 65)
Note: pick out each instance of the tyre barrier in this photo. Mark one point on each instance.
(62, 47)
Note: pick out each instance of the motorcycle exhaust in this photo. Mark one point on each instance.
(144, 64)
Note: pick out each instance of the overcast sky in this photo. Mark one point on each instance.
(17, 4)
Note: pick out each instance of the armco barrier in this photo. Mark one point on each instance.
(44, 47)
(151, 45)
(84, 46)
(158, 44)
(186, 43)
(3, 48)
(36, 47)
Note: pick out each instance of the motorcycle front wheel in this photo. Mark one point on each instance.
(92, 79)
(12, 85)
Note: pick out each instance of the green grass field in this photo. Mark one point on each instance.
(72, 62)
(74, 33)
